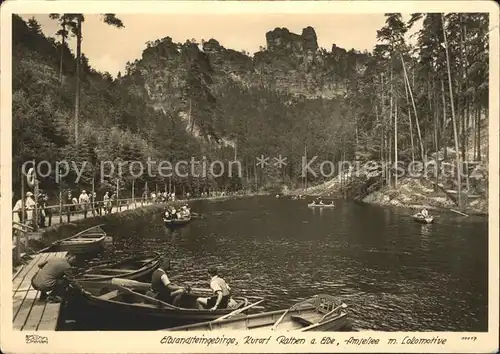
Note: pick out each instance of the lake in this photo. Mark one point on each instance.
(394, 274)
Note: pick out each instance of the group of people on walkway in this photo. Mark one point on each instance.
(88, 202)
(43, 216)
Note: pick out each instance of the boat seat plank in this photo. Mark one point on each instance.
(256, 324)
(305, 320)
(95, 276)
(115, 270)
(110, 295)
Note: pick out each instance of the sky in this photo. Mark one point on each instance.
(109, 48)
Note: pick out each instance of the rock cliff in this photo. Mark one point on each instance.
(187, 78)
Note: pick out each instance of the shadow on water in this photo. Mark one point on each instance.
(395, 274)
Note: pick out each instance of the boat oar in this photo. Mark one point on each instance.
(273, 328)
(343, 305)
(237, 311)
(159, 302)
(134, 284)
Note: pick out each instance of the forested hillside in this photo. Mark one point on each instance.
(183, 100)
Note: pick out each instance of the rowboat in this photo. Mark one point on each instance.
(86, 241)
(313, 205)
(319, 313)
(176, 222)
(136, 310)
(420, 219)
(132, 268)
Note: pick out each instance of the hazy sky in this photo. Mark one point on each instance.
(108, 48)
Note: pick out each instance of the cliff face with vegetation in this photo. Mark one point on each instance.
(201, 99)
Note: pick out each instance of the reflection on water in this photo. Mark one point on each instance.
(393, 273)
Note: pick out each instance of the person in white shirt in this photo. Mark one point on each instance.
(16, 216)
(107, 203)
(222, 293)
(29, 204)
(84, 201)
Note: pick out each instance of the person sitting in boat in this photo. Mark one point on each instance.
(166, 215)
(173, 214)
(52, 277)
(424, 213)
(161, 287)
(221, 290)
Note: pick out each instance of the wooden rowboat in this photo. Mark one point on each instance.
(319, 313)
(176, 222)
(420, 219)
(86, 241)
(313, 205)
(136, 310)
(132, 268)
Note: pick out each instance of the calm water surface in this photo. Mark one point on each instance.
(395, 274)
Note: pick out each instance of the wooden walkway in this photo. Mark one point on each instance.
(29, 312)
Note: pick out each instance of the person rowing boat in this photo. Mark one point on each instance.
(424, 214)
(162, 288)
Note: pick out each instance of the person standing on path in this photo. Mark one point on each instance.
(29, 204)
(107, 203)
(84, 202)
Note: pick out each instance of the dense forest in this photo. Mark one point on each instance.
(398, 104)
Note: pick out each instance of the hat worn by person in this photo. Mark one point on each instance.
(29, 194)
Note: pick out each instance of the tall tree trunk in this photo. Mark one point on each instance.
(409, 120)
(444, 136)
(422, 151)
(436, 143)
(78, 60)
(479, 134)
(391, 107)
(396, 144)
(382, 138)
(433, 112)
(63, 45)
(474, 132)
(453, 117)
(465, 112)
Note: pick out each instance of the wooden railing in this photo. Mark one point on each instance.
(62, 213)
(65, 213)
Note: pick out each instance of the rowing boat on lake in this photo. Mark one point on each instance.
(423, 220)
(131, 268)
(86, 241)
(313, 205)
(319, 313)
(176, 222)
(135, 309)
